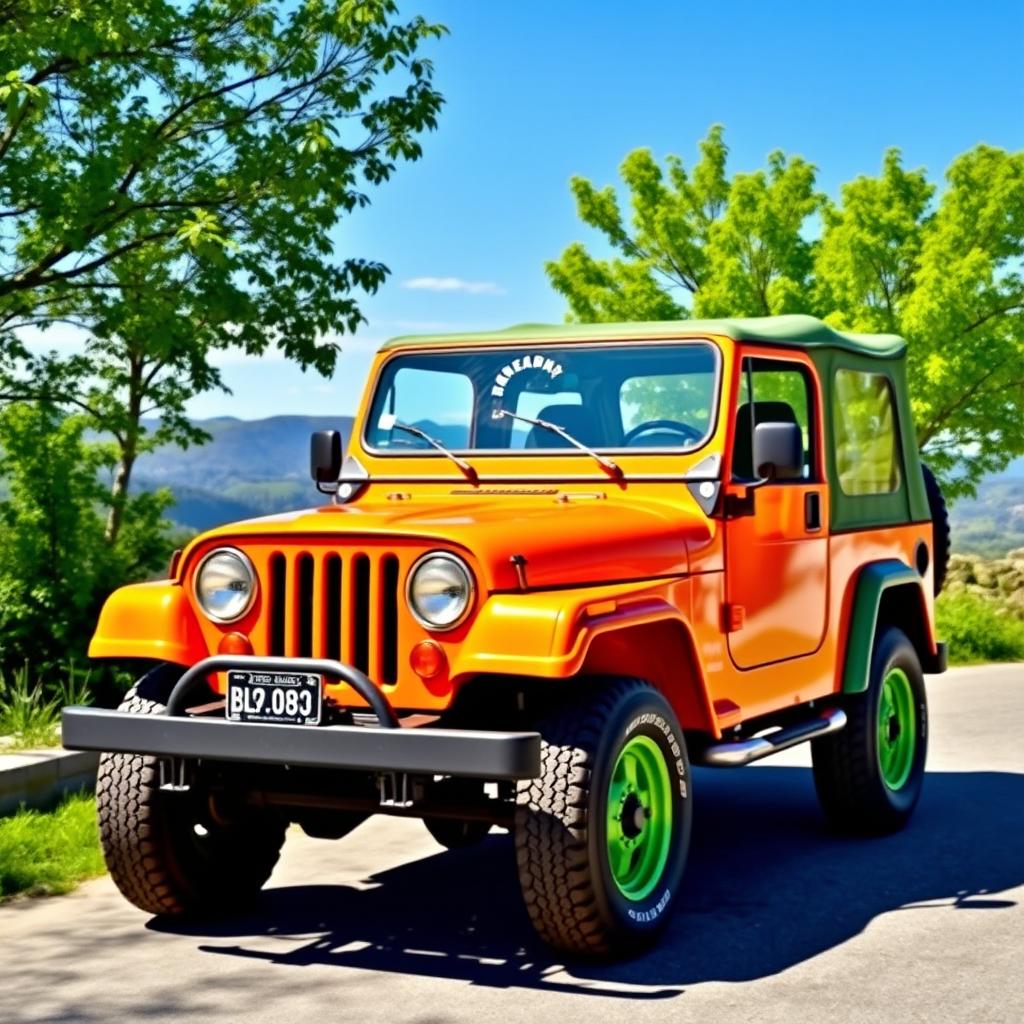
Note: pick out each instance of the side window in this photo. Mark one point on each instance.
(437, 401)
(782, 393)
(865, 427)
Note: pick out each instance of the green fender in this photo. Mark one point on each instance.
(875, 578)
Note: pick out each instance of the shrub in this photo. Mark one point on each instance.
(30, 709)
(978, 629)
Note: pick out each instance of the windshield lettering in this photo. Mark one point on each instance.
(537, 361)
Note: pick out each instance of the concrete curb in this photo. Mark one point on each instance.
(38, 778)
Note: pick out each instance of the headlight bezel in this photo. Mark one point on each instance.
(246, 562)
(463, 566)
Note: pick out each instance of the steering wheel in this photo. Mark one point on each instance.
(672, 426)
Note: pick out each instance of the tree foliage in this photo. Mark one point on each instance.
(894, 254)
(170, 175)
(55, 568)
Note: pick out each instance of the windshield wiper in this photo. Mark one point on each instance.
(470, 473)
(612, 468)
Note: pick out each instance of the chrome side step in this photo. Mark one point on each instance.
(739, 752)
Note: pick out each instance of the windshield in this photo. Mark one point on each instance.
(628, 396)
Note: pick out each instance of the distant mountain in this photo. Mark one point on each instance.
(992, 523)
(249, 468)
(276, 448)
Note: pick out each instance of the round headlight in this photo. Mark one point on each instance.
(440, 591)
(225, 585)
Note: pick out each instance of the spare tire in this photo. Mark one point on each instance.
(940, 527)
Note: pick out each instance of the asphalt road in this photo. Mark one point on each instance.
(780, 920)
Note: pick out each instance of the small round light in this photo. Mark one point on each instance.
(225, 585)
(234, 643)
(427, 659)
(440, 590)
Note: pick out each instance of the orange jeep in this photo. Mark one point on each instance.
(558, 566)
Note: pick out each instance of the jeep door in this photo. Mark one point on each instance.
(776, 532)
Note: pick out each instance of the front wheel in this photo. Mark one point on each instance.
(602, 835)
(168, 852)
(869, 775)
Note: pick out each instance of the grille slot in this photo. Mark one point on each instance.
(328, 605)
(361, 614)
(278, 602)
(304, 599)
(332, 606)
(389, 619)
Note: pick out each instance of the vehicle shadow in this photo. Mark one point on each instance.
(767, 887)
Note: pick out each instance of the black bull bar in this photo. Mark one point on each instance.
(386, 747)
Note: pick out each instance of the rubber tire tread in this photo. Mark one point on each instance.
(847, 776)
(136, 835)
(941, 542)
(551, 828)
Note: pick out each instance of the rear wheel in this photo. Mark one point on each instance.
(170, 852)
(869, 775)
(602, 836)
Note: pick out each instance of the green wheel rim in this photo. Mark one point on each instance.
(639, 818)
(897, 729)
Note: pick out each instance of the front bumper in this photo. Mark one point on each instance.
(485, 755)
(385, 748)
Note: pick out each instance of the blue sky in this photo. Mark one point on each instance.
(538, 91)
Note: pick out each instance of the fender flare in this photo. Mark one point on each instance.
(561, 635)
(873, 582)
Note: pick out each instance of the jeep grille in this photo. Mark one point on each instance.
(334, 605)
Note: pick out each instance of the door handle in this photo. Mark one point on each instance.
(812, 511)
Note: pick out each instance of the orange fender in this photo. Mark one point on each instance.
(590, 630)
(152, 621)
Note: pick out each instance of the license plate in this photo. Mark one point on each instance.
(294, 698)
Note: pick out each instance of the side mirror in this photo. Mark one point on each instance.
(325, 457)
(778, 451)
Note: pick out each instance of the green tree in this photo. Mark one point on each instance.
(945, 273)
(55, 568)
(696, 241)
(170, 175)
(894, 254)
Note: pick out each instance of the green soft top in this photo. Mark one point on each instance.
(793, 331)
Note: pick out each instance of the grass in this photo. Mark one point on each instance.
(978, 629)
(29, 717)
(48, 852)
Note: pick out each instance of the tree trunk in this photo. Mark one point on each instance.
(129, 445)
(119, 494)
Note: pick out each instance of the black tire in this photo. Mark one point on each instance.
(152, 843)
(940, 528)
(456, 835)
(848, 774)
(561, 825)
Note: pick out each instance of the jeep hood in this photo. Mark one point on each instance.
(575, 541)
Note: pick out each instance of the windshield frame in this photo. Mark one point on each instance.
(502, 453)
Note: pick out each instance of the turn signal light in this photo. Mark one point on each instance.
(427, 659)
(234, 643)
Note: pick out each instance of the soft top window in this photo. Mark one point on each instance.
(867, 459)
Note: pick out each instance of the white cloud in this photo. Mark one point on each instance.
(453, 284)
